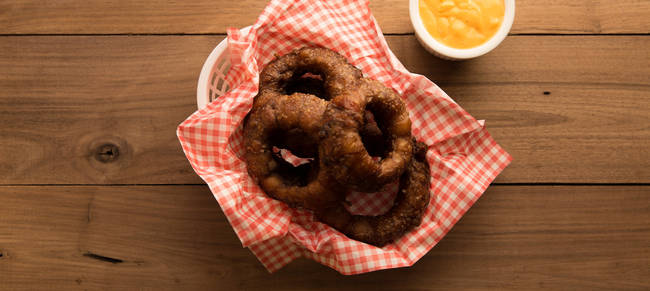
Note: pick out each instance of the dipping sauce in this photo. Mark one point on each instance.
(462, 23)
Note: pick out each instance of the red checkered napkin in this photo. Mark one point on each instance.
(464, 159)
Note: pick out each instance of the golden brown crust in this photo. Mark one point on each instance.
(342, 147)
(281, 114)
(372, 137)
(406, 213)
(314, 103)
(337, 74)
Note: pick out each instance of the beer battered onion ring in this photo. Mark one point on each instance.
(342, 121)
(342, 147)
(338, 76)
(405, 214)
(264, 127)
(293, 122)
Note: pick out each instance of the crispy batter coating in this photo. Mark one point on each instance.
(342, 146)
(406, 213)
(372, 137)
(337, 74)
(329, 74)
(279, 180)
(314, 103)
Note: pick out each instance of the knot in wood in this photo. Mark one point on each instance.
(107, 153)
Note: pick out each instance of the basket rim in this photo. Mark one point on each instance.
(202, 88)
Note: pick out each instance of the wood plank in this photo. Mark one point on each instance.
(69, 96)
(175, 237)
(65, 97)
(205, 16)
(591, 127)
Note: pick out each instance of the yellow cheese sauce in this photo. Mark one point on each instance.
(462, 23)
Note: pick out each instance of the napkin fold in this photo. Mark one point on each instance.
(463, 157)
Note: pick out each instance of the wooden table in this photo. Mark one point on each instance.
(95, 192)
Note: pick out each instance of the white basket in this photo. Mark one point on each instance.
(212, 80)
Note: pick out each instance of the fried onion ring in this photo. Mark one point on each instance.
(342, 147)
(338, 76)
(282, 114)
(405, 214)
(312, 102)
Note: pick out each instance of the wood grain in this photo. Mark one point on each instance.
(205, 16)
(176, 237)
(65, 98)
(591, 127)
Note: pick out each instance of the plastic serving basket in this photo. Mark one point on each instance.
(212, 81)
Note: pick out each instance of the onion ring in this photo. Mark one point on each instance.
(338, 76)
(406, 213)
(342, 147)
(284, 113)
(314, 103)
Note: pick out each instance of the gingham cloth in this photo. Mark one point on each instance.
(464, 159)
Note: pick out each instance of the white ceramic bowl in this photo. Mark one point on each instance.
(437, 48)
